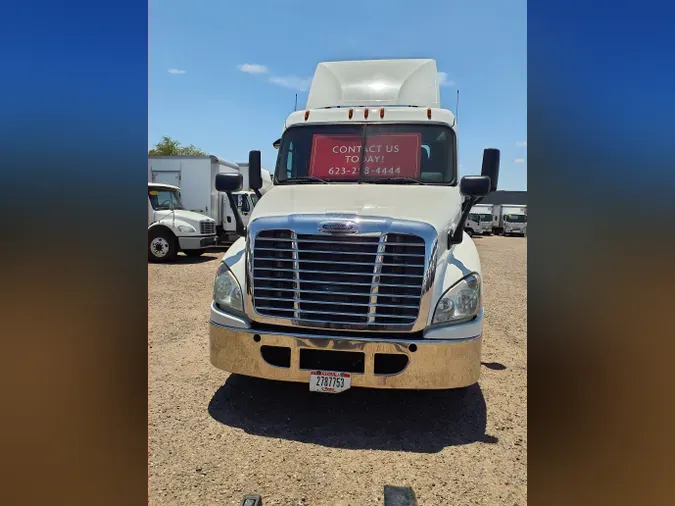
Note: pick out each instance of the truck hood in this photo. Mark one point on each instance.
(183, 215)
(438, 206)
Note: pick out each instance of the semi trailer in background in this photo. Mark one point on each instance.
(509, 220)
(355, 268)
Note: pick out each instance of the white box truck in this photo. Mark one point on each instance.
(355, 268)
(172, 228)
(479, 221)
(509, 219)
(195, 175)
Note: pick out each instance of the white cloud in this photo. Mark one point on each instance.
(443, 79)
(253, 68)
(519, 160)
(293, 82)
(176, 71)
(521, 144)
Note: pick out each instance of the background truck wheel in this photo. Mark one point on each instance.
(469, 232)
(193, 252)
(162, 246)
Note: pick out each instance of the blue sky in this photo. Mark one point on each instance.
(223, 74)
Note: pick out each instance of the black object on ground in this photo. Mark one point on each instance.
(399, 496)
(252, 500)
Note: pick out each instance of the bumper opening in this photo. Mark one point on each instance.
(340, 361)
(390, 363)
(279, 356)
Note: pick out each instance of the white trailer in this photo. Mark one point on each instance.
(509, 219)
(195, 175)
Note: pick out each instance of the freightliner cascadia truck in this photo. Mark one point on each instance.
(354, 269)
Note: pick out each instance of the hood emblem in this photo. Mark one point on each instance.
(338, 227)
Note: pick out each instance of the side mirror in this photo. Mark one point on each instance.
(491, 166)
(276, 144)
(475, 186)
(254, 175)
(229, 182)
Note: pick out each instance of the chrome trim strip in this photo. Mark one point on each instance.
(337, 272)
(340, 303)
(259, 278)
(375, 339)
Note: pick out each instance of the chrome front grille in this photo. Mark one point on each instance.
(207, 227)
(344, 281)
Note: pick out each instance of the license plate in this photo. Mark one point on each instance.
(329, 382)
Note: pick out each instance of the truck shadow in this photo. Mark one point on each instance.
(394, 420)
(183, 259)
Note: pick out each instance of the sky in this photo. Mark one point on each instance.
(223, 74)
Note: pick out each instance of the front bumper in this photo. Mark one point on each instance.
(197, 242)
(432, 363)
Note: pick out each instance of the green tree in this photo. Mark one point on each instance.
(170, 147)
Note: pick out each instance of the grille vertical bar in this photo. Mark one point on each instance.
(377, 270)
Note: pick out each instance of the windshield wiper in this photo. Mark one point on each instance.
(402, 180)
(304, 179)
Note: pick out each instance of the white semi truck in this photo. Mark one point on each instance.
(355, 269)
(479, 221)
(509, 219)
(172, 228)
(195, 175)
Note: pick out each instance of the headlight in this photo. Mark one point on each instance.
(186, 228)
(226, 290)
(460, 303)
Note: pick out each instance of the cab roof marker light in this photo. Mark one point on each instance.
(365, 113)
(351, 113)
(381, 112)
(306, 115)
(429, 113)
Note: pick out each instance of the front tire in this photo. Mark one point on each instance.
(162, 246)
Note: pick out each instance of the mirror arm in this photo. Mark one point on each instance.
(240, 228)
(257, 192)
(455, 237)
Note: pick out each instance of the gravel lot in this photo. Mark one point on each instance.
(213, 438)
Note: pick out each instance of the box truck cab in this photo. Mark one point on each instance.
(510, 219)
(172, 228)
(483, 214)
(355, 268)
(196, 177)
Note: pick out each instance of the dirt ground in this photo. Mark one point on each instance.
(215, 437)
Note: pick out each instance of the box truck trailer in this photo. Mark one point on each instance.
(195, 175)
(509, 219)
(355, 268)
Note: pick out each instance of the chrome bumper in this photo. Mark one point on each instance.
(432, 364)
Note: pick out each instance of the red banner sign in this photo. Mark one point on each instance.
(338, 156)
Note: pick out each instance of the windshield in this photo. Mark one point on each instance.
(474, 217)
(165, 199)
(485, 217)
(516, 218)
(410, 153)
